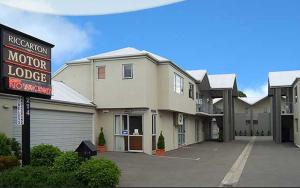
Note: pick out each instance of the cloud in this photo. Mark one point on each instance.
(68, 38)
(258, 92)
(85, 7)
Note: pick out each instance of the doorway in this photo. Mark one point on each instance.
(128, 133)
(181, 133)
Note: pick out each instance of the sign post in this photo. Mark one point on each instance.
(26, 132)
(25, 70)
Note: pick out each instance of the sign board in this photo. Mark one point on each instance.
(125, 132)
(25, 64)
(20, 111)
(180, 119)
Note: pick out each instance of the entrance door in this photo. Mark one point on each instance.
(181, 133)
(135, 133)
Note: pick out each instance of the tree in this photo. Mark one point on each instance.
(241, 94)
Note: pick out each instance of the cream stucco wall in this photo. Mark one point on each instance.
(77, 76)
(168, 98)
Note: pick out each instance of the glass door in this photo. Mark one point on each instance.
(135, 141)
(154, 132)
(181, 133)
(121, 132)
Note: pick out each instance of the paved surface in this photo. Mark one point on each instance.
(272, 165)
(181, 167)
(206, 164)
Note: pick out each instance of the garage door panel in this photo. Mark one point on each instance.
(62, 129)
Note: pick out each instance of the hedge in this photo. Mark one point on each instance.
(44, 155)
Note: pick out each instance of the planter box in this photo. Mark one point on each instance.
(102, 149)
(160, 152)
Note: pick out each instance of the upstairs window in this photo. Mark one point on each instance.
(178, 84)
(191, 90)
(127, 71)
(296, 94)
(101, 72)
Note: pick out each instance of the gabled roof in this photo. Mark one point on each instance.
(123, 52)
(197, 74)
(247, 100)
(283, 78)
(62, 92)
(222, 81)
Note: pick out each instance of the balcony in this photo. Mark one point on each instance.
(204, 108)
(287, 108)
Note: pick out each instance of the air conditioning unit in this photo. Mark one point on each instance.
(180, 119)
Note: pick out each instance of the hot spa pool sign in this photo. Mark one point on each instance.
(26, 64)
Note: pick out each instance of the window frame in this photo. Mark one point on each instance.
(123, 71)
(191, 91)
(181, 83)
(101, 66)
(296, 94)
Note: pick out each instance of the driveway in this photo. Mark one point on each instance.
(201, 164)
(209, 163)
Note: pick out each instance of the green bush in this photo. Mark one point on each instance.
(161, 141)
(5, 148)
(99, 173)
(101, 139)
(66, 162)
(15, 148)
(63, 179)
(28, 176)
(262, 133)
(240, 133)
(245, 133)
(44, 155)
(7, 162)
(257, 133)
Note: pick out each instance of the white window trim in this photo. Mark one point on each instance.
(123, 72)
(181, 83)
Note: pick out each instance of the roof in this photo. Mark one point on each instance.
(197, 74)
(123, 52)
(62, 92)
(283, 78)
(248, 100)
(222, 81)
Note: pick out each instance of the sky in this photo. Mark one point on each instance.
(249, 38)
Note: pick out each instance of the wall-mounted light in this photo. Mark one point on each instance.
(5, 106)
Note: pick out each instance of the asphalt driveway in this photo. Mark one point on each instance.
(207, 163)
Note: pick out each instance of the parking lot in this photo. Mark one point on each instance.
(207, 163)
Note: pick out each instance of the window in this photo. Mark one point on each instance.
(296, 94)
(154, 124)
(296, 125)
(127, 71)
(248, 122)
(178, 84)
(255, 121)
(121, 124)
(101, 72)
(191, 90)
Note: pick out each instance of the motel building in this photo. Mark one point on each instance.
(134, 95)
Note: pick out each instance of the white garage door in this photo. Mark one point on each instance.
(65, 130)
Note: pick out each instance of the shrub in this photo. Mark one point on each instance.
(221, 135)
(7, 162)
(161, 141)
(5, 148)
(251, 132)
(15, 148)
(101, 138)
(257, 133)
(63, 179)
(99, 173)
(44, 155)
(269, 133)
(245, 133)
(28, 176)
(262, 133)
(66, 162)
(240, 133)
(235, 134)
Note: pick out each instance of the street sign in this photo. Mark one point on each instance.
(20, 111)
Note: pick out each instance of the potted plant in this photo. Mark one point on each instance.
(245, 133)
(262, 133)
(101, 142)
(220, 136)
(257, 133)
(160, 151)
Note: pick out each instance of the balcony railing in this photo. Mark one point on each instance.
(218, 110)
(287, 108)
(205, 107)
